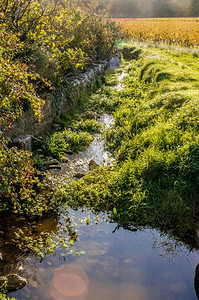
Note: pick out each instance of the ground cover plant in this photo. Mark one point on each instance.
(60, 142)
(176, 31)
(155, 143)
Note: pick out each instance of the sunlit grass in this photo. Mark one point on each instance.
(155, 142)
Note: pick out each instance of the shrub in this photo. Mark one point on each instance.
(17, 179)
(16, 90)
(71, 35)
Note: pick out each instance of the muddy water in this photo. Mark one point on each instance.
(110, 263)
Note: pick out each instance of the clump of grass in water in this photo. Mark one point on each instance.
(59, 142)
(91, 126)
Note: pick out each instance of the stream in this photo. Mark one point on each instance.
(79, 162)
(104, 261)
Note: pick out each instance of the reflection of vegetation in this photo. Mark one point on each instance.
(155, 142)
(169, 247)
(19, 237)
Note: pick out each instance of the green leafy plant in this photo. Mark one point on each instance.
(16, 89)
(3, 293)
(59, 142)
(18, 179)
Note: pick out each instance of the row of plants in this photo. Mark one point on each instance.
(172, 31)
(155, 143)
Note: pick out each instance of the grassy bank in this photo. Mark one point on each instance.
(155, 142)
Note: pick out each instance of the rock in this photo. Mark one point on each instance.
(50, 162)
(23, 142)
(13, 282)
(92, 164)
(114, 63)
(79, 175)
(56, 126)
(54, 167)
(65, 160)
(69, 152)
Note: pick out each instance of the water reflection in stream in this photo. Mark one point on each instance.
(113, 264)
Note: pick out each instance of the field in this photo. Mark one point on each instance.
(177, 31)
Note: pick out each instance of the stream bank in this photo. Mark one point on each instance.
(64, 99)
(104, 259)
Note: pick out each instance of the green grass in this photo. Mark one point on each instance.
(91, 126)
(155, 140)
(59, 142)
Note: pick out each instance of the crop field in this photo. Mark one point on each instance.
(177, 31)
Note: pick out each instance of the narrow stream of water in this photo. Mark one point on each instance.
(79, 162)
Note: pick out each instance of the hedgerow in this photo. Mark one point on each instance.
(41, 43)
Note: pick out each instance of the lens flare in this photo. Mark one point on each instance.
(69, 283)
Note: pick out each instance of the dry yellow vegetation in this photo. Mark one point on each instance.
(179, 31)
